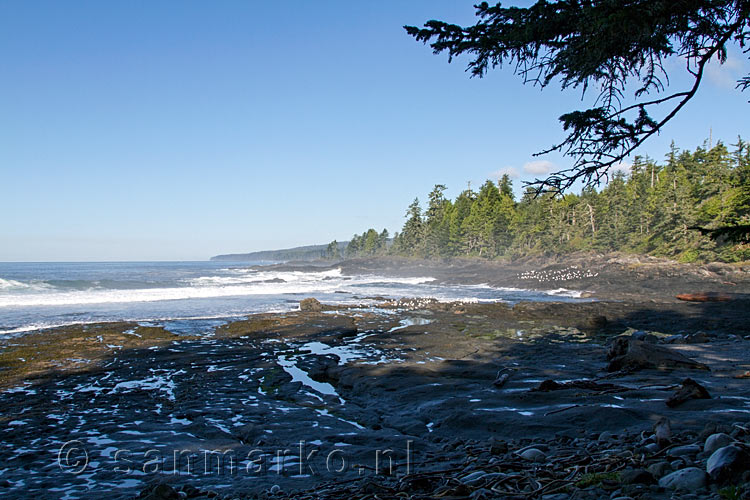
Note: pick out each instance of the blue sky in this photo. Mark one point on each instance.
(180, 130)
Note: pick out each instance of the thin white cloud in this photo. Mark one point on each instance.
(539, 167)
(726, 75)
(511, 172)
(622, 166)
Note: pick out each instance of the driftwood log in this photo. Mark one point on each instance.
(706, 297)
(629, 354)
(690, 389)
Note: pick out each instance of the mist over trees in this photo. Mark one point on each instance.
(664, 209)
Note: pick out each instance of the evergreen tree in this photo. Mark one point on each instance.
(411, 239)
(506, 186)
(506, 215)
(436, 230)
(457, 243)
(680, 209)
(371, 242)
(353, 247)
(383, 241)
(332, 251)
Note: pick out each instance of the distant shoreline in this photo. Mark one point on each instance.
(615, 276)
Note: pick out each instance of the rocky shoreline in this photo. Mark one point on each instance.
(408, 399)
(613, 277)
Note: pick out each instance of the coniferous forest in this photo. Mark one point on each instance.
(663, 209)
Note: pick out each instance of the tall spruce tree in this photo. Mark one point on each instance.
(680, 208)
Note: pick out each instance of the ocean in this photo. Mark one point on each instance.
(189, 297)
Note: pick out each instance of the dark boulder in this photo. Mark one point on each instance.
(628, 354)
(727, 463)
(310, 305)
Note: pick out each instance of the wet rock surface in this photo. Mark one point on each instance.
(728, 463)
(401, 399)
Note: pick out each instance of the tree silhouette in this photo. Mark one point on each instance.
(618, 47)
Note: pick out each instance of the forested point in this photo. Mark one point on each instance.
(685, 209)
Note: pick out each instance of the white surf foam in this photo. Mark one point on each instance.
(249, 276)
(564, 292)
(8, 285)
(29, 305)
(262, 283)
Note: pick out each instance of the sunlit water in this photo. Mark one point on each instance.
(200, 294)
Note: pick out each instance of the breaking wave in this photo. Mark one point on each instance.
(241, 284)
(45, 295)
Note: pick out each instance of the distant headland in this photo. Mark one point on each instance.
(303, 253)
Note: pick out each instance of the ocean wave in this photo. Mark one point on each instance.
(267, 284)
(145, 295)
(5, 284)
(63, 297)
(564, 292)
(31, 327)
(301, 278)
(9, 285)
(264, 276)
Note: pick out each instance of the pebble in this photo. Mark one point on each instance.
(689, 479)
(716, 441)
(498, 447)
(474, 478)
(479, 477)
(652, 447)
(482, 494)
(659, 469)
(606, 436)
(533, 455)
(636, 476)
(678, 464)
(687, 450)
